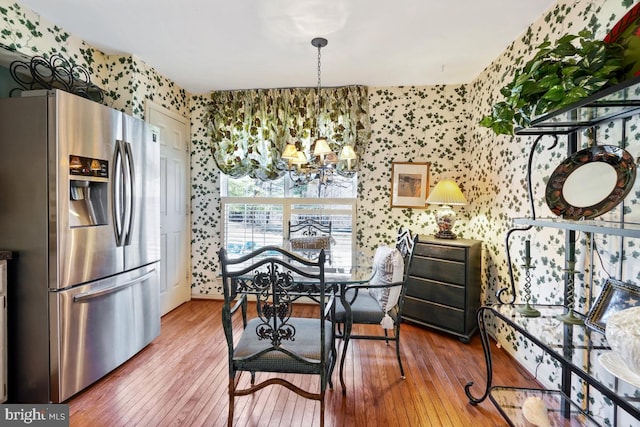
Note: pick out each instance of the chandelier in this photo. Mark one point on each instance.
(323, 163)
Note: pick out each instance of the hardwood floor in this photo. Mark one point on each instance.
(181, 379)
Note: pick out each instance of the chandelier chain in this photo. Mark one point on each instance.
(323, 165)
(319, 86)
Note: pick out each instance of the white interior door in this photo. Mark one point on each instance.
(174, 214)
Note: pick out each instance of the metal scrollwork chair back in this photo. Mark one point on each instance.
(308, 237)
(380, 300)
(275, 340)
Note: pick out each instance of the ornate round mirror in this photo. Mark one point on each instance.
(590, 182)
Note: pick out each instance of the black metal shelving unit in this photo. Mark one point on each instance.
(575, 347)
(613, 103)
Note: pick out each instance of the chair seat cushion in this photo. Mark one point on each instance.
(365, 309)
(306, 343)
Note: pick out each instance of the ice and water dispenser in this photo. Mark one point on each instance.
(88, 186)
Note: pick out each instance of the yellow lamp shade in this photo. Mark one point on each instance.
(300, 159)
(290, 152)
(347, 153)
(75, 163)
(321, 147)
(446, 192)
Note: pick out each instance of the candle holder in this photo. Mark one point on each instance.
(570, 317)
(527, 310)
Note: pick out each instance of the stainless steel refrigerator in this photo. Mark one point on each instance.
(80, 208)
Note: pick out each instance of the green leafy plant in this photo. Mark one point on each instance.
(572, 69)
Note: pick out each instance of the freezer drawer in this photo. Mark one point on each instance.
(101, 325)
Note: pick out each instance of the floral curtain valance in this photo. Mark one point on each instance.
(250, 128)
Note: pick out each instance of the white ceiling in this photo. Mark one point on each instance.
(205, 45)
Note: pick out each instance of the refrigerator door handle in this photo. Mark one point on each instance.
(110, 290)
(131, 190)
(117, 193)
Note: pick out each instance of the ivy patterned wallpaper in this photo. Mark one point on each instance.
(205, 205)
(127, 80)
(410, 124)
(437, 124)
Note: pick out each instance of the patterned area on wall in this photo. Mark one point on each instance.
(411, 124)
(126, 80)
(205, 204)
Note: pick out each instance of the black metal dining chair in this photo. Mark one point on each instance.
(380, 300)
(275, 341)
(308, 237)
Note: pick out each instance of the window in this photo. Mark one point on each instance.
(257, 213)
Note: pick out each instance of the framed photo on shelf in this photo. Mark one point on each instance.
(409, 184)
(615, 296)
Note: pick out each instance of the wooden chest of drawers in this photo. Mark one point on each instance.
(443, 289)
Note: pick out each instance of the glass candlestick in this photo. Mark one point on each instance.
(570, 317)
(527, 310)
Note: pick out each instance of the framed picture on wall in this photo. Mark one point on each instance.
(409, 184)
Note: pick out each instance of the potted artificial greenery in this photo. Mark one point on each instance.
(555, 77)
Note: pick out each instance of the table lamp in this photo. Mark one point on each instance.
(446, 193)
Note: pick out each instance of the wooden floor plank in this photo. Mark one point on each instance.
(181, 379)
